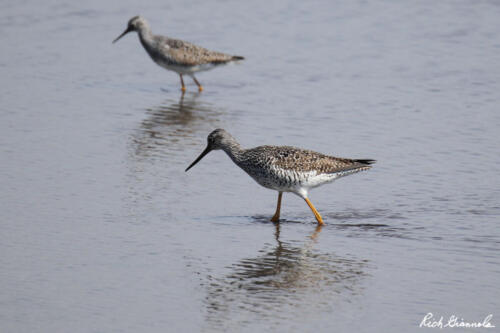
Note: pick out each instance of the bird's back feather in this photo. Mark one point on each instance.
(187, 54)
(302, 160)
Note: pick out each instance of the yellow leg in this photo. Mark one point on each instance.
(276, 216)
(200, 87)
(183, 87)
(316, 214)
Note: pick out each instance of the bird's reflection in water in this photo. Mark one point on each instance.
(157, 149)
(172, 125)
(285, 276)
(284, 266)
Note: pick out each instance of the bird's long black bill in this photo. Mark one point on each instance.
(123, 34)
(206, 151)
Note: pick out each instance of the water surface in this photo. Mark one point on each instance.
(102, 230)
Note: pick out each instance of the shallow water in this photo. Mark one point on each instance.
(102, 230)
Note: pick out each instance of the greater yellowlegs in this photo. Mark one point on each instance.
(176, 55)
(284, 169)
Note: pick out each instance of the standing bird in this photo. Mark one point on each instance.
(284, 169)
(176, 55)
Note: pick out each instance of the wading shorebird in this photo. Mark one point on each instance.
(176, 55)
(284, 168)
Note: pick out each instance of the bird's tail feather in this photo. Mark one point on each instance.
(367, 162)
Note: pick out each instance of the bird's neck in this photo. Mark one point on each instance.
(145, 34)
(234, 150)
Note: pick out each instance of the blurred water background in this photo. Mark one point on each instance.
(103, 231)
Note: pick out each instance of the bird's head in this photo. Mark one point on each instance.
(218, 139)
(136, 23)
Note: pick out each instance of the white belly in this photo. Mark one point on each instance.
(290, 181)
(187, 70)
(315, 180)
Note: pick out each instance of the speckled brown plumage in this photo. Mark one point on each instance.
(177, 55)
(284, 168)
(188, 54)
(292, 158)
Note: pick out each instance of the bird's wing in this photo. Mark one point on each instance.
(189, 54)
(306, 160)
